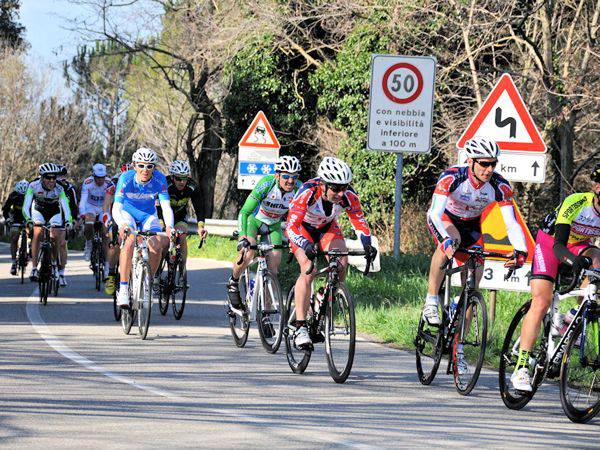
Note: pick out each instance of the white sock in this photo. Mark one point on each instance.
(432, 300)
(61, 272)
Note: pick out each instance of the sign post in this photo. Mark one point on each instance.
(401, 113)
(258, 152)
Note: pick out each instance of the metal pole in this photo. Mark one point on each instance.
(492, 306)
(398, 205)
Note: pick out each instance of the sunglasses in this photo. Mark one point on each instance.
(181, 179)
(145, 166)
(49, 177)
(487, 163)
(287, 176)
(337, 188)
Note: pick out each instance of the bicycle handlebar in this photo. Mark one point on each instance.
(592, 273)
(339, 253)
(484, 253)
(263, 247)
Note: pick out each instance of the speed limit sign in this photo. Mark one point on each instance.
(401, 103)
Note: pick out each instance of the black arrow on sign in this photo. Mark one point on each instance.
(535, 166)
(508, 121)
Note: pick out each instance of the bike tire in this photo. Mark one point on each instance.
(580, 399)
(144, 301)
(178, 290)
(127, 319)
(297, 359)
(340, 321)
(45, 275)
(43, 288)
(269, 313)
(117, 312)
(240, 325)
(474, 344)
(163, 288)
(23, 255)
(512, 398)
(429, 343)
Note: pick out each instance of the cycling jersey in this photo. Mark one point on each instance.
(181, 198)
(267, 203)
(311, 216)
(45, 203)
(459, 197)
(13, 208)
(577, 211)
(71, 193)
(92, 195)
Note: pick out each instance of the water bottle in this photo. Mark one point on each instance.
(557, 324)
(454, 305)
(568, 318)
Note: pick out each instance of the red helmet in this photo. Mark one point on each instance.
(126, 167)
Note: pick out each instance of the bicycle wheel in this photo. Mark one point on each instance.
(127, 318)
(580, 373)
(179, 289)
(164, 284)
(429, 343)
(297, 359)
(45, 275)
(269, 312)
(509, 355)
(144, 300)
(240, 325)
(116, 309)
(23, 255)
(471, 338)
(340, 334)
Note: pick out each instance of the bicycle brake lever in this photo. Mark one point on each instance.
(509, 274)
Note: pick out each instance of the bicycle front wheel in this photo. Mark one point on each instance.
(580, 373)
(340, 334)
(144, 301)
(429, 343)
(240, 324)
(269, 314)
(163, 288)
(468, 345)
(297, 359)
(179, 289)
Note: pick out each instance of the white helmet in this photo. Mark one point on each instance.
(47, 168)
(144, 154)
(99, 170)
(21, 187)
(335, 171)
(179, 168)
(480, 147)
(289, 164)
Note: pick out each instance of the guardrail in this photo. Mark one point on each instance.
(218, 227)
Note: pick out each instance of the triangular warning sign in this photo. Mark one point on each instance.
(260, 134)
(504, 118)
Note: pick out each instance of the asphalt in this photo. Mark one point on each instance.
(70, 378)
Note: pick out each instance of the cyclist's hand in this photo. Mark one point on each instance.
(311, 251)
(202, 233)
(449, 247)
(170, 233)
(580, 263)
(517, 260)
(370, 252)
(243, 244)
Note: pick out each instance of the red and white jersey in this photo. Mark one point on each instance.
(308, 211)
(468, 197)
(92, 195)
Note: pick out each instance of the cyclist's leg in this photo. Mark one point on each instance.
(57, 234)
(112, 256)
(156, 244)
(274, 236)
(333, 238)
(302, 286)
(251, 234)
(38, 219)
(15, 232)
(125, 257)
(88, 231)
(183, 228)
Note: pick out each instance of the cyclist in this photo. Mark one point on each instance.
(12, 210)
(565, 236)
(134, 208)
(73, 204)
(312, 221)
(46, 203)
(112, 252)
(182, 189)
(454, 218)
(262, 214)
(93, 191)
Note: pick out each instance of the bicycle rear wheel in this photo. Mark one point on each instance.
(179, 289)
(269, 313)
(509, 355)
(44, 288)
(297, 359)
(429, 343)
(472, 340)
(23, 255)
(45, 275)
(240, 325)
(164, 284)
(580, 373)
(144, 300)
(340, 334)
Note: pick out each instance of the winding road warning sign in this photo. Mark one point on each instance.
(504, 118)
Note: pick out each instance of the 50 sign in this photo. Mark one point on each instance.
(402, 83)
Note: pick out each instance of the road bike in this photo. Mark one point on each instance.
(22, 251)
(330, 319)
(572, 355)
(261, 294)
(463, 327)
(48, 270)
(173, 285)
(98, 257)
(140, 284)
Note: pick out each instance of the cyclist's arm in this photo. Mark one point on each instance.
(167, 212)
(64, 203)
(357, 218)
(27, 204)
(257, 195)
(106, 205)
(84, 198)
(567, 212)
(73, 201)
(117, 208)
(434, 216)
(513, 229)
(298, 208)
(7, 206)
(197, 204)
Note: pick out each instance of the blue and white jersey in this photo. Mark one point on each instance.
(139, 199)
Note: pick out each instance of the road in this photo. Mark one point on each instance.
(70, 378)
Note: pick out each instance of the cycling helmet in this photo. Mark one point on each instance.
(335, 171)
(289, 164)
(99, 170)
(47, 168)
(63, 170)
(479, 147)
(126, 167)
(145, 155)
(21, 187)
(179, 168)
(596, 173)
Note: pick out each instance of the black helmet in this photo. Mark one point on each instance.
(63, 170)
(596, 173)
